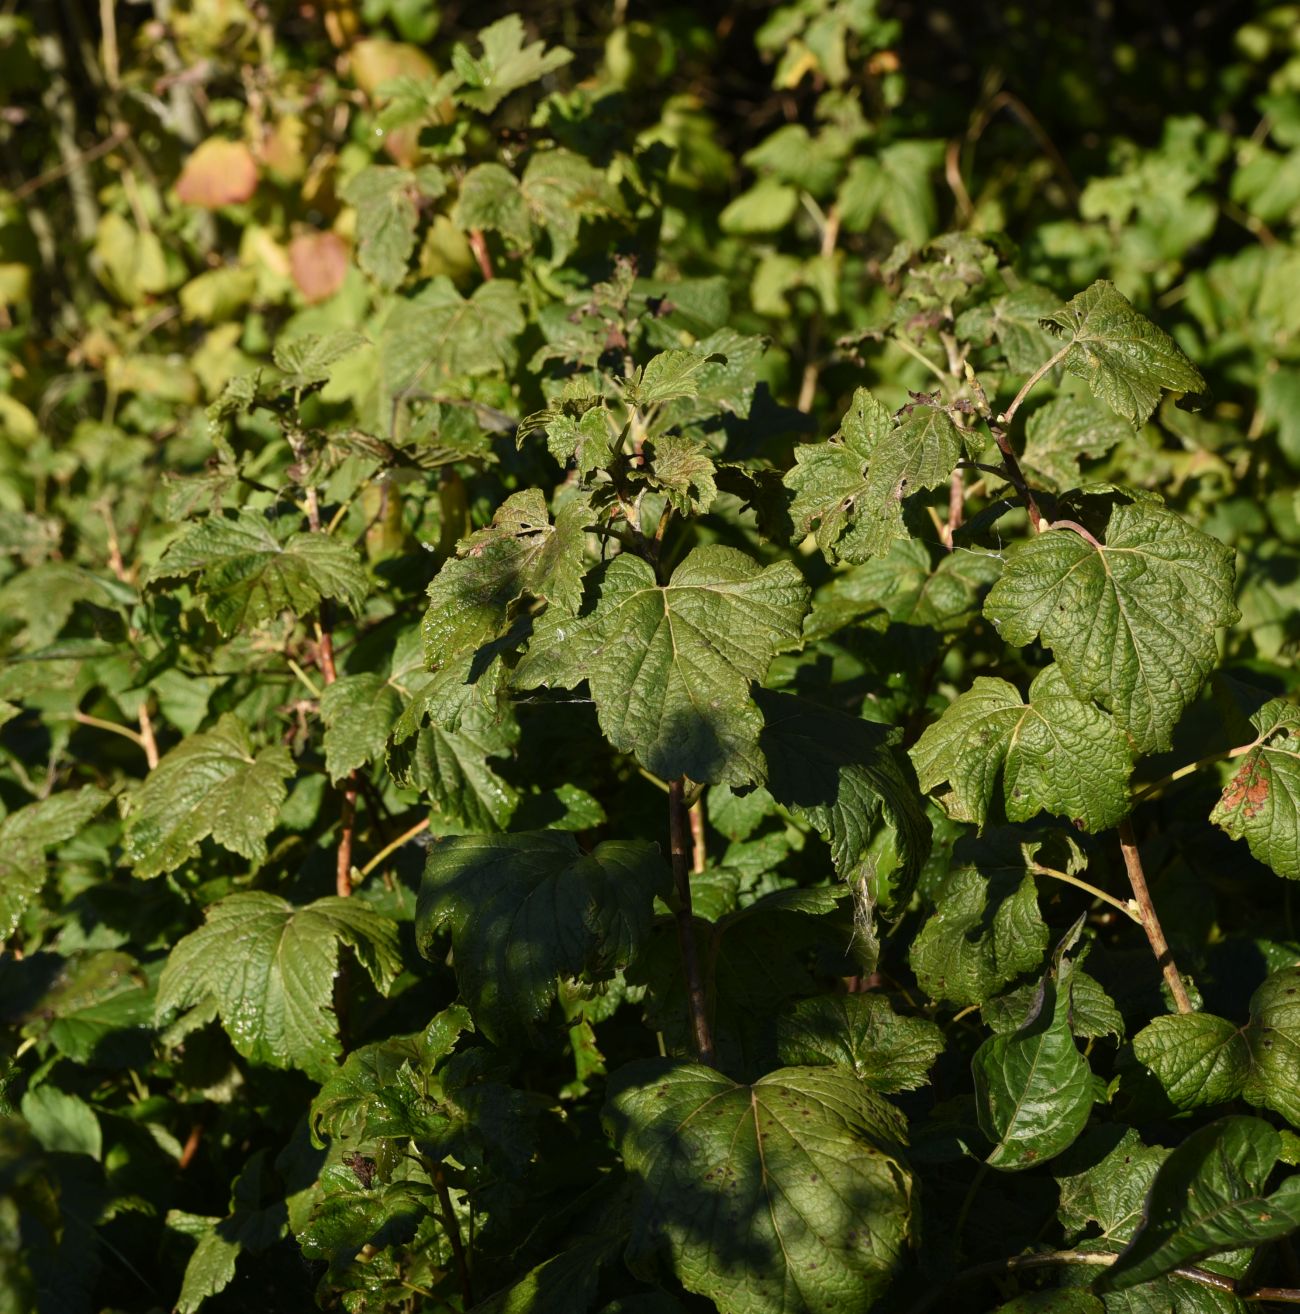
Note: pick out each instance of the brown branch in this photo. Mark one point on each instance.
(812, 367)
(88, 156)
(147, 740)
(1009, 458)
(699, 848)
(679, 845)
(191, 1147)
(478, 244)
(452, 1228)
(1150, 922)
(1098, 1259)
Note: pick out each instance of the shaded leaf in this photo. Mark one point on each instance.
(1209, 1196)
(524, 910)
(843, 775)
(862, 1033)
(787, 1195)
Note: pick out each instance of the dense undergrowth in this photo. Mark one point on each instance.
(647, 659)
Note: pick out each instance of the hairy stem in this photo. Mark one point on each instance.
(1150, 922)
(680, 848)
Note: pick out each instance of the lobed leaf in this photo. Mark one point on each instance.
(1124, 358)
(1054, 754)
(789, 1194)
(1132, 622)
(270, 968)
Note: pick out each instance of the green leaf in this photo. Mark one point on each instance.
(1014, 319)
(852, 487)
(270, 969)
(211, 1268)
(308, 359)
(1261, 803)
(26, 834)
(1209, 1196)
(1054, 753)
(683, 469)
(1033, 1089)
(452, 767)
(470, 615)
(1198, 1058)
(1273, 1036)
(789, 1194)
(668, 376)
(526, 909)
(863, 1034)
(1132, 622)
(670, 666)
(1063, 1301)
(209, 784)
(842, 774)
(766, 207)
(251, 569)
(566, 1282)
(358, 711)
(62, 1123)
(1092, 1011)
(352, 1102)
(505, 64)
(384, 198)
(1068, 428)
(987, 930)
(1124, 358)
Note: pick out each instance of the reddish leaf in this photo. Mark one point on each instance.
(319, 264)
(218, 173)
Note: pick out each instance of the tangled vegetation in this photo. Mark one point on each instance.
(647, 658)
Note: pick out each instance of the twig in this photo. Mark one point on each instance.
(679, 845)
(1014, 473)
(478, 244)
(812, 367)
(84, 718)
(147, 740)
(88, 156)
(191, 1147)
(1083, 533)
(1010, 413)
(699, 849)
(452, 1228)
(1223, 755)
(952, 174)
(1098, 1259)
(917, 354)
(404, 838)
(956, 505)
(1091, 889)
(1150, 922)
